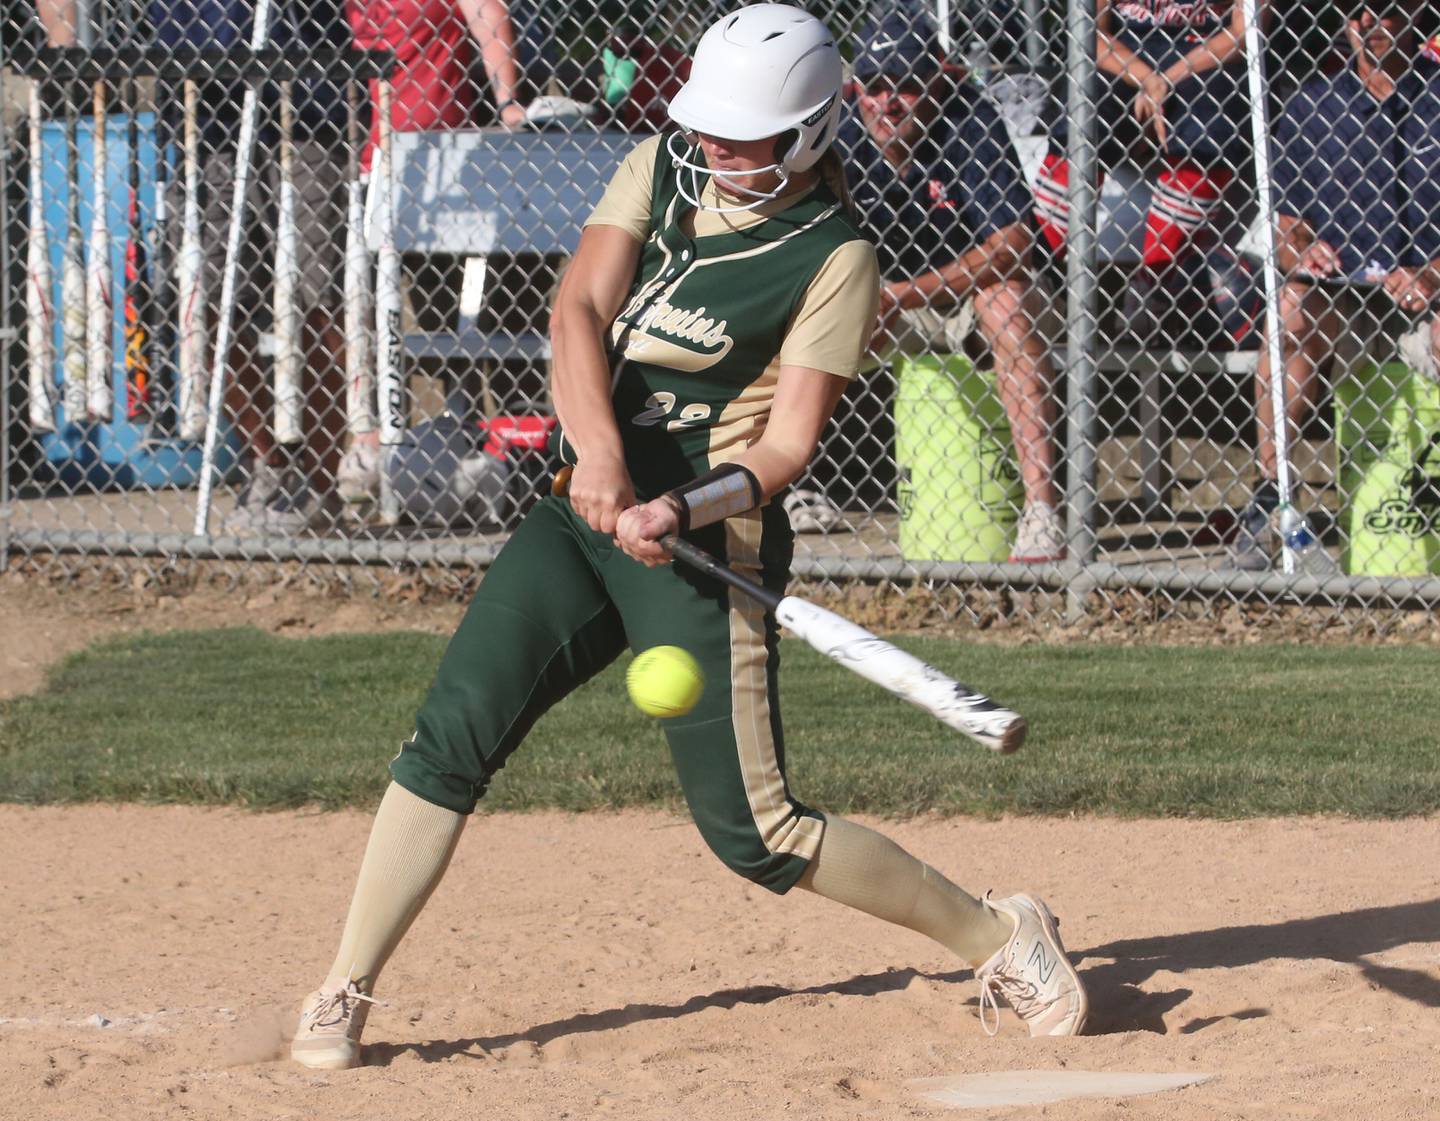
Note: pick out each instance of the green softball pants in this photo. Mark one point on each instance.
(559, 604)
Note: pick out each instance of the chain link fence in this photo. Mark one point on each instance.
(243, 319)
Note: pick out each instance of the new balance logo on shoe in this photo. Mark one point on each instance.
(1041, 962)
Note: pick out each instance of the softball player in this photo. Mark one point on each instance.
(719, 301)
(1172, 70)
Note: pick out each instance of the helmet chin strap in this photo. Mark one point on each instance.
(683, 156)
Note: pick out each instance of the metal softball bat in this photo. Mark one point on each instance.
(951, 702)
(39, 299)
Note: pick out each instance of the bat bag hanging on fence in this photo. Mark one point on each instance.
(1387, 430)
(960, 492)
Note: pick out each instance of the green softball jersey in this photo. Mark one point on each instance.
(719, 304)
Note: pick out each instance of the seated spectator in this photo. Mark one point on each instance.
(938, 187)
(431, 88)
(1357, 177)
(434, 43)
(1170, 73)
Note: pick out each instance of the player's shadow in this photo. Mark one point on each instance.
(866, 984)
(1350, 936)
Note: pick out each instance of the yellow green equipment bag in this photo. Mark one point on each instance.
(1387, 434)
(960, 493)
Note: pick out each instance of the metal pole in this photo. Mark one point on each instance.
(220, 359)
(9, 328)
(1034, 34)
(1080, 318)
(1264, 196)
(85, 18)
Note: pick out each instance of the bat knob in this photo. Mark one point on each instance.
(560, 484)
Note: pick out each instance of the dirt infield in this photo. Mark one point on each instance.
(606, 966)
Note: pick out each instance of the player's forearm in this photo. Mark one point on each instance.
(775, 465)
(580, 382)
(1111, 55)
(805, 400)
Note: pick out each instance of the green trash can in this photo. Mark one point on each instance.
(959, 490)
(1387, 433)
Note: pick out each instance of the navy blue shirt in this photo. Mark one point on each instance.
(295, 27)
(962, 185)
(1364, 174)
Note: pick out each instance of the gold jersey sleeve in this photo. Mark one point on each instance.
(832, 326)
(626, 202)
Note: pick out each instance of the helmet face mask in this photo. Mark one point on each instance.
(763, 71)
(686, 153)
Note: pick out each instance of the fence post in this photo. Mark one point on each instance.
(9, 327)
(1080, 285)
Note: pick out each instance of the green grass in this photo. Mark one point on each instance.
(237, 716)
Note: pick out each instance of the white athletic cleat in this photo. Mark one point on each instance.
(331, 1021)
(1032, 973)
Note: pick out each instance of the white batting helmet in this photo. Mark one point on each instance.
(765, 70)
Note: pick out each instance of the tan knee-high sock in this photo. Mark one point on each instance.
(868, 871)
(410, 847)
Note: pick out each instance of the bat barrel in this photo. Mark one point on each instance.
(951, 702)
(289, 399)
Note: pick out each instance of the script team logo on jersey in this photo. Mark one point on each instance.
(938, 198)
(682, 338)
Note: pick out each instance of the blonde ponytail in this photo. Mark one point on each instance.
(832, 170)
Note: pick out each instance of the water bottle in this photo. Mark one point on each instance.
(980, 61)
(1297, 537)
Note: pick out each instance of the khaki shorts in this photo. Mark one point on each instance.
(926, 330)
(1417, 348)
(1374, 329)
(319, 227)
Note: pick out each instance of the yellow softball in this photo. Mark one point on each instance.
(664, 681)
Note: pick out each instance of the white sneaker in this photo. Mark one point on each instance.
(1039, 536)
(810, 511)
(331, 1021)
(1032, 973)
(243, 521)
(294, 507)
(258, 492)
(358, 477)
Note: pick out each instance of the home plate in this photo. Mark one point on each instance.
(1036, 1087)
